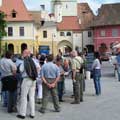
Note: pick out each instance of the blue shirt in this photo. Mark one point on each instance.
(50, 70)
(118, 59)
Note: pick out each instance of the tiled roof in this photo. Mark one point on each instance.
(108, 14)
(48, 24)
(69, 23)
(85, 14)
(18, 6)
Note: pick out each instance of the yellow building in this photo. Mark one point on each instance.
(20, 27)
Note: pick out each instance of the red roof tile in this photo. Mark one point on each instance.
(17, 5)
(69, 23)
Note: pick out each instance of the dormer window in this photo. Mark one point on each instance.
(14, 13)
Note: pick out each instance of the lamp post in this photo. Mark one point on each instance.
(53, 36)
(37, 42)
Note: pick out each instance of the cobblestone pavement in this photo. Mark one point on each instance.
(104, 107)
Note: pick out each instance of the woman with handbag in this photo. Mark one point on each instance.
(9, 81)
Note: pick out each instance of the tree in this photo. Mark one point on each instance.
(2, 27)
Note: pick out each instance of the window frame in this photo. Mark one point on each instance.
(115, 32)
(102, 33)
(10, 31)
(45, 34)
(89, 34)
(62, 33)
(67, 34)
(21, 33)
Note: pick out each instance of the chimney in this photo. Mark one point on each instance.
(42, 7)
(0, 3)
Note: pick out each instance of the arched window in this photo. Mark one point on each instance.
(68, 33)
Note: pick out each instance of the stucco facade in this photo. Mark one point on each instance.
(16, 40)
(108, 38)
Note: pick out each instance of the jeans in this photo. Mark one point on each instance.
(96, 78)
(60, 87)
(118, 72)
(5, 98)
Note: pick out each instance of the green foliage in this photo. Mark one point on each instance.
(3, 24)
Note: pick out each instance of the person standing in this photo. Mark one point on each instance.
(117, 65)
(50, 75)
(29, 74)
(60, 85)
(96, 69)
(76, 78)
(9, 81)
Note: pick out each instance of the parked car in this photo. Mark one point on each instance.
(105, 56)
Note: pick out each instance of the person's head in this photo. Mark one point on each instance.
(26, 53)
(8, 55)
(59, 61)
(97, 55)
(50, 58)
(73, 53)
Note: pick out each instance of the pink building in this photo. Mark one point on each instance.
(106, 26)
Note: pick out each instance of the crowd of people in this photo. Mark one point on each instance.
(31, 78)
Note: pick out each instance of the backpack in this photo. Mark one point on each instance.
(30, 68)
(18, 68)
(82, 66)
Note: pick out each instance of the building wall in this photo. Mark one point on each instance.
(67, 6)
(16, 39)
(28, 30)
(108, 38)
(53, 40)
(87, 40)
(77, 41)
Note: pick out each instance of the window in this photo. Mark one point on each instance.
(66, 6)
(13, 13)
(21, 31)
(44, 34)
(62, 34)
(89, 34)
(68, 33)
(102, 33)
(114, 32)
(10, 31)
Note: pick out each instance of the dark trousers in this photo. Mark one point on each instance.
(60, 87)
(12, 97)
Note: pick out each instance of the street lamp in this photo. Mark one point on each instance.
(53, 36)
(37, 42)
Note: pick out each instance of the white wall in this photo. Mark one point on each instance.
(87, 40)
(58, 13)
(70, 10)
(0, 3)
(68, 38)
(77, 41)
(28, 30)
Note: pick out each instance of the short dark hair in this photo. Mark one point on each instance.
(50, 57)
(8, 54)
(97, 55)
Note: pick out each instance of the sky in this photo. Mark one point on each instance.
(94, 4)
